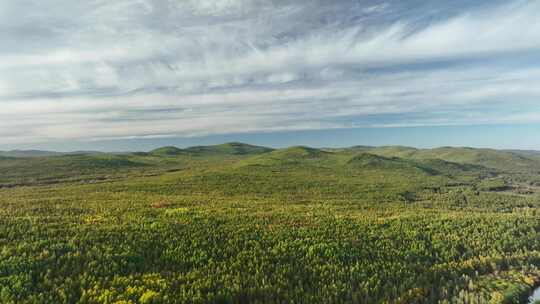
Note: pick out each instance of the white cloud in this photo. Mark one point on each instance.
(158, 68)
(220, 7)
(247, 109)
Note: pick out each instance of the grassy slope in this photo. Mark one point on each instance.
(242, 223)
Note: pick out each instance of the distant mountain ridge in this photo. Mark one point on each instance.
(376, 163)
(42, 153)
(233, 148)
(489, 158)
(28, 153)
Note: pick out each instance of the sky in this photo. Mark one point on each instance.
(122, 75)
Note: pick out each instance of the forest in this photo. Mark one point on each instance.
(236, 223)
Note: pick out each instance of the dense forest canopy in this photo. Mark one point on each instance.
(237, 223)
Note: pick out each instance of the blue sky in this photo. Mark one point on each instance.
(135, 74)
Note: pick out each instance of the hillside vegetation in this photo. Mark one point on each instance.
(237, 223)
(504, 160)
(229, 149)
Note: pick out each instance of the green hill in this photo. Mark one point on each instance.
(293, 155)
(371, 161)
(29, 153)
(299, 152)
(167, 151)
(428, 166)
(90, 162)
(390, 151)
(452, 168)
(36, 170)
(495, 159)
(233, 148)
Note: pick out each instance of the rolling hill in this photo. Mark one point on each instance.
(233, 148)
(372, 161)
(168, 151)
(40, 170)
(292, 155)
(29, 153)
(489, 158)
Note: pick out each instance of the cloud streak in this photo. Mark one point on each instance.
(128, 69)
